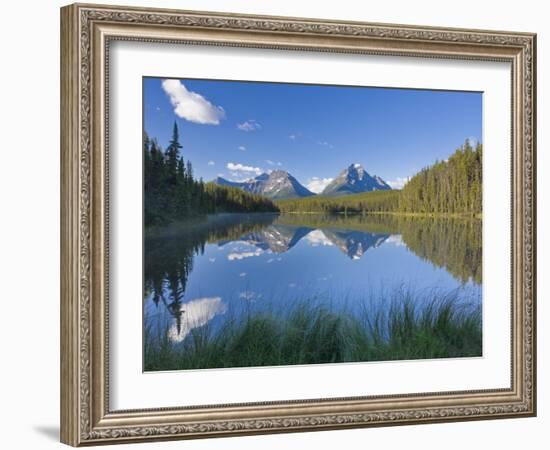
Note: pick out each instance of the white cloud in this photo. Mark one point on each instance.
(399, 182)
(242, 148)
(240, 169)
(316, 184)
(242, 274)
(194, 314)
(292, 137)
(243, 255)
(249, 125)
(238, 177)
(211, 163)
(192, 106)
(325, 144)
(273, 163)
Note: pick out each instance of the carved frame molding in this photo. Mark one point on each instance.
(86, 32)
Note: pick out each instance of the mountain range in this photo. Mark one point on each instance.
(280, 184)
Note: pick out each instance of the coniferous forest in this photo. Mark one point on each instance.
(172, 192)
(452, 186)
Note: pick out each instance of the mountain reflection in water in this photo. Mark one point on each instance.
(194, 271)
(279, 238)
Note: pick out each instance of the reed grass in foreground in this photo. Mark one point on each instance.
(312, 333)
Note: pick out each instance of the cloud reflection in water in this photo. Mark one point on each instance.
(194, 314)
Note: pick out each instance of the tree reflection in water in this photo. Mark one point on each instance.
(449, 243)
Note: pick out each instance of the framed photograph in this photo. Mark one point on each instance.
(278, 224)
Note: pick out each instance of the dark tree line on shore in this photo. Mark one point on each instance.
(363, 203)
(172, 192)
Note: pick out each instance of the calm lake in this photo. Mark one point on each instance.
(208, 271)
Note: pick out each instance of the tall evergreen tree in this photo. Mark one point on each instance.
(189, 170)
(173, 155)
(146, 161)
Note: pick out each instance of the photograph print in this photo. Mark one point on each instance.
(295, 224)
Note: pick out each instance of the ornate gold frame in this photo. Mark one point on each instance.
(86, 31)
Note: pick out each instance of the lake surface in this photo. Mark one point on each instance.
(211, 270)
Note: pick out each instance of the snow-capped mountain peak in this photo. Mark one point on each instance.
(355, 179)
(278, 184)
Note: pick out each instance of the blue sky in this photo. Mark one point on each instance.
(240, 129)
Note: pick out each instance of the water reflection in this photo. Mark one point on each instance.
(280, 238)
(193, 271)
(354, 244)
(194, 314)
(276, 238)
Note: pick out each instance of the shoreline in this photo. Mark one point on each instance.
(211, 219)
(388, 213)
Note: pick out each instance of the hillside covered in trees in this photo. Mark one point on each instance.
(452, 186)
(171, 191)
(447, 187)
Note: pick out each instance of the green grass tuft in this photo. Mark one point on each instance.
(313, 333)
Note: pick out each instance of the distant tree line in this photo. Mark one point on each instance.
(376, 201)
(447, 187)
(172, 193)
